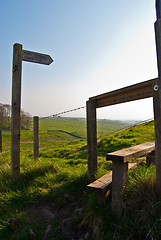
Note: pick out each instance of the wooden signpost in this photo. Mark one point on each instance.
(15, 118)
(20, 55)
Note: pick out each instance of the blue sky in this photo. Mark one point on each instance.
(97, 46)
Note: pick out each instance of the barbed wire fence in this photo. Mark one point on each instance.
(127, 127)
(61, 113)
(8, 147)
(112, 132)
(83, 107)
(79, 108)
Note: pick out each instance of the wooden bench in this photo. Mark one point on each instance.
(116, 179)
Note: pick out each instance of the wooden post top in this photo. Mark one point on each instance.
(124, 155)
(158, 8)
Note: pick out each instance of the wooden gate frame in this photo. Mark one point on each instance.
(131, 93)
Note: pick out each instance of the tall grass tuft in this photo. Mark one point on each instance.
(142, 207)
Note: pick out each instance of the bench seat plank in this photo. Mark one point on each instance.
(127, 154)
(104, 183)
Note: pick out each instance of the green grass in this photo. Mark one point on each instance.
(62, 169)
(77, 126)
(142, 206)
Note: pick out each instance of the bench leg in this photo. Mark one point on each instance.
(101, 197)
(150, 158)
(119, 178)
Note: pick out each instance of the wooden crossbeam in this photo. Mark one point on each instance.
(134, 92)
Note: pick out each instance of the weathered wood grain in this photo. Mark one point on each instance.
(92, 138)
(157, 108)
(16, 105)
(127, 154)
(119, 179)
(120, 170)
(134, 92)
(104, 183)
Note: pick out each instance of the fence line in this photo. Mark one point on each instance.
(137, 123)
(84, 150)
(61, 113)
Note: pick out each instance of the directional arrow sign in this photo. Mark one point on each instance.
(36, 57)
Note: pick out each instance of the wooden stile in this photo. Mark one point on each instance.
(134, 92)
(120, 160)
(151, 88)
(117, 178)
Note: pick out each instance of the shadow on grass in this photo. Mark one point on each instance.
(80, 153)
(23, 193)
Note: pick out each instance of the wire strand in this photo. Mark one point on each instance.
(61, 113)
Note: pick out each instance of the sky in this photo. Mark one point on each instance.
(97, 46)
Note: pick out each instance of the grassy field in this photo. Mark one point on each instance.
(50, 197)
(77, 126)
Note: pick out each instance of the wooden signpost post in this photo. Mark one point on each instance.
(15, 118)
(20, 55)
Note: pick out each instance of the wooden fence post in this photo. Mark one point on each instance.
(16, 105)
(92, 138)
(36, 137)
(0, 141)
(157, 99)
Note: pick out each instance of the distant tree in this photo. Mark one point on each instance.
(1, 115)
(5, 117)
(25, 120)
(28, 120)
